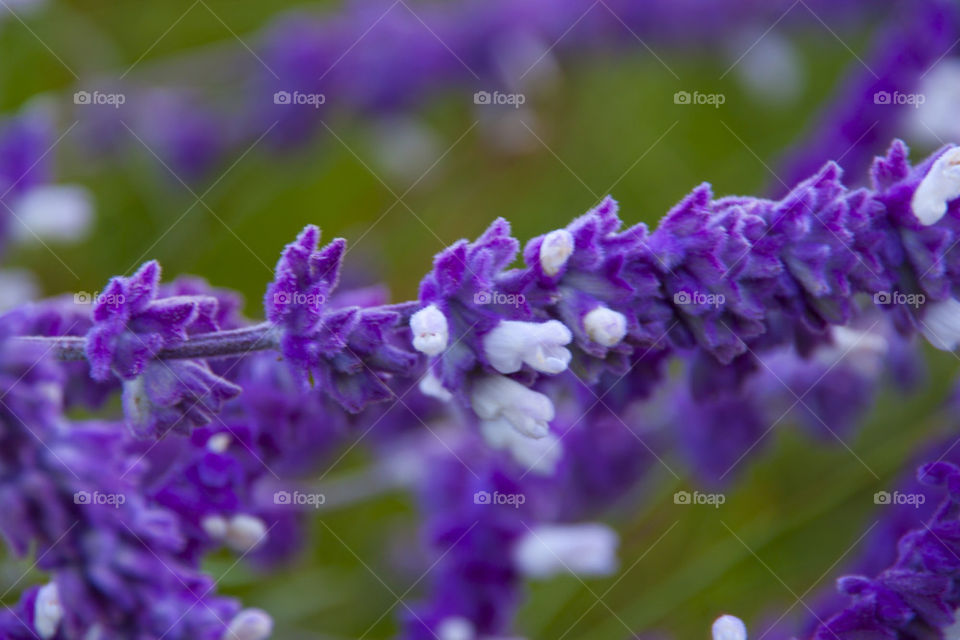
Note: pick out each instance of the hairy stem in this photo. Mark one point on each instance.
(219, 344)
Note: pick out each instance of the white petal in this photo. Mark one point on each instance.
(513, 343)
(864, 350)
(605, 326)
(220, 442)
(456, 629)
(938, 188)
(728, 627)
(555, 250)
(215, 527)
(537, 455)
(249, 624)
(935, 120)
(405, 148)
(770, 69)
(47, 611)
(953, 631)
(582, 549)
(431, 332)
(430, 385)
(61, 213)
(529, 411)
(245, 533)
(941, 324)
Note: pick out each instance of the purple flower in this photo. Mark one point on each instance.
(864, 113)
(174, 396)
(352, 352)
(66, 493)
(916, 596)
(131, 327)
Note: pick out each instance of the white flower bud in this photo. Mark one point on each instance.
(540, 455)
(864, 350)
(605, 326)
(456, 629)
(431, 386)
(215, 527)
(513, 343)
(941, 324)
(527, 410)
(953, 631)
(245, 533)
(47, 611)
(249, 624)
(938, 188)
(581, 549)
(61, 213)
(430, 330)
(219, 442)
(555, 250)
(729, 628)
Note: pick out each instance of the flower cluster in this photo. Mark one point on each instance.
(761, 301)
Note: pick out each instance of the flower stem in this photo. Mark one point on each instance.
(218, 344)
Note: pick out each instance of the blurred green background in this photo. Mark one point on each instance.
(611, 121)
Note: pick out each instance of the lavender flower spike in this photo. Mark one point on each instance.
(917, 596)
(350, 352)
(131, 328)
(295, 300)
